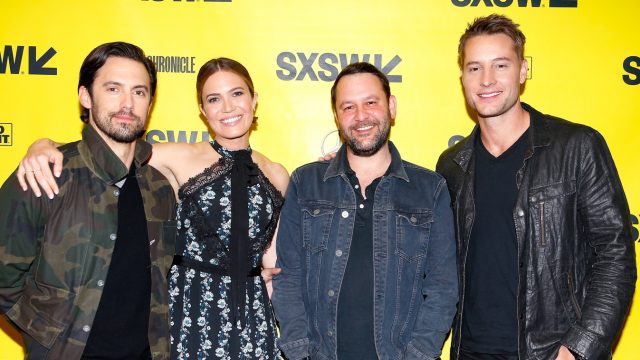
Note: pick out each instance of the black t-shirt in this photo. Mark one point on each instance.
(489, 319)
(120, 328)
(355, 303)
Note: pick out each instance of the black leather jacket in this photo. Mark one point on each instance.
(576, 257)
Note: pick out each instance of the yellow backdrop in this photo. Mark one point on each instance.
(584, 56)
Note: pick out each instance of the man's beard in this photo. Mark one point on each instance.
(381, 138)
(122, 133)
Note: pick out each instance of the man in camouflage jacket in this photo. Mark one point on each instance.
(55, 254)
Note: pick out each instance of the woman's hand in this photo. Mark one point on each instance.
(34, 170)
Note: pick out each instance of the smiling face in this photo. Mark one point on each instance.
(120, 100)
(492, 74)
(229, 107)
(364, 113)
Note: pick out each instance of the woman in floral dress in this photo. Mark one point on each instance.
(229, 203)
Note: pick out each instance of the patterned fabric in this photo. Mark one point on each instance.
(200, 302)
(55, 254)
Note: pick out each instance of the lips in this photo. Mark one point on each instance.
(366, 126)
(489, 95)
(231, 120)
(124, 116)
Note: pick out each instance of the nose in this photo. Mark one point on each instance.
(360, 114)
(488, 77)
(127, 102)
(227, 105)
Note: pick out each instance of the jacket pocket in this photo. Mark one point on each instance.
(316, 225)
(565, 298)
(412, 234)
(42, 312)
(548, 208)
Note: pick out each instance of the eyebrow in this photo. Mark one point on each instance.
(230, 90)
(117, 83)
(502, 58)
(366, 98)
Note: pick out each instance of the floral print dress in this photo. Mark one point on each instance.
(200, 301)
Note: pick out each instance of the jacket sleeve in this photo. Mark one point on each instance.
(440, 284)
(20, 229)
(604, 216)
(287, 296)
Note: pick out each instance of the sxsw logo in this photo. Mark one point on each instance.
(183, 136)
(12, 56)
(631, 66)
(519, 3)
(6, 134)
(326, 66)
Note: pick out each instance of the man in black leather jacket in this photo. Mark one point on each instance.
(546, 259)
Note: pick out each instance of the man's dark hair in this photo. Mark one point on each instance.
(491, 25)
(360, 68)
(98, 57)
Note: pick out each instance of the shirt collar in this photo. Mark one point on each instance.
(340, 165)
(103, 162)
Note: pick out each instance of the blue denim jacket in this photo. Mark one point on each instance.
(415, 276)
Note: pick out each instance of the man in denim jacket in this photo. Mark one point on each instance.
(366, 242)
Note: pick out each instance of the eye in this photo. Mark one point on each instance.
(213, 99)
(347, 108)
(112, 89)
(238, 93)
(371, 102)
(472, 69)
(140, 93)
(502, 66)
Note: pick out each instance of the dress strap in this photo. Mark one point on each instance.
(186, 262)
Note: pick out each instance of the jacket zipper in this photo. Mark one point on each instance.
(543, 235)
(572, 296)
(464, 280)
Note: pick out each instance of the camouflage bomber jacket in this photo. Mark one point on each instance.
(55, 254)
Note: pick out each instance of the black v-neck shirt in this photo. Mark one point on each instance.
(489, 323)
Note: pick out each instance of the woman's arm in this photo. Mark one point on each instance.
(279, 177)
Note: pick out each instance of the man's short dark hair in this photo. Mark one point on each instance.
(360, 68)
(98, 57)
(491, 25)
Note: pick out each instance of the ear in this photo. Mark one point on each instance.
(392, 106)
(202, 110)
(524, 67)
(84, 97)
(254, 102)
